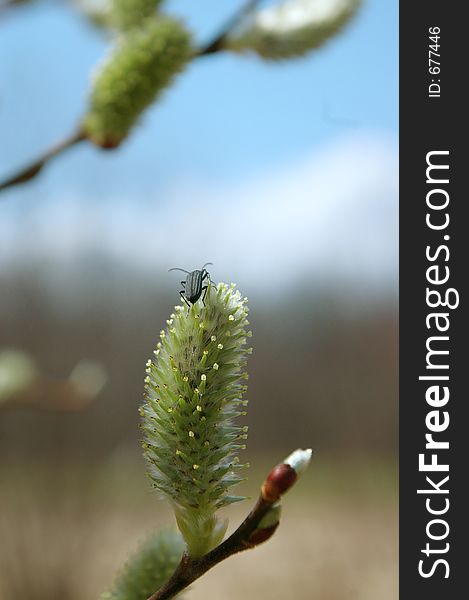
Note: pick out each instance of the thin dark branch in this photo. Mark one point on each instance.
(249, 534)
(190, 569)
(216, 44)
(31, 170)
(6, 5)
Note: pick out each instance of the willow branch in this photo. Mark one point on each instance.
(8, 4)
(190, 569)
(33, 169)
(249, 534)
(216, 44)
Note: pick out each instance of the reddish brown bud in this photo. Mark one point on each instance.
(105, 143)
(279, 480)
(261, 535)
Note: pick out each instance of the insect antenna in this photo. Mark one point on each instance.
(178, 269)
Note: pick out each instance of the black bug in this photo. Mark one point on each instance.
(193, 287)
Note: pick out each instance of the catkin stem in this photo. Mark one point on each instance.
(189, 569)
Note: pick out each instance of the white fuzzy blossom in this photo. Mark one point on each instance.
(292, 28)
(299, 460)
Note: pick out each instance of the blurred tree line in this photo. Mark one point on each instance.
(335, 365)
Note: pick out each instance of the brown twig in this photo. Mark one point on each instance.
(190, 569)
(30, 171)
(248, 535)
(6, 5)
(216, 44)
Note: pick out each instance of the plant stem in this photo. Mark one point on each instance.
(190, 569)
(31, 170)
(217, 42)
(252, 531)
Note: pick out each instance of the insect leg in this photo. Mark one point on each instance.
(205, 275)
(204, 289)
(181, 293)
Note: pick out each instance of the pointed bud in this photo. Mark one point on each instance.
(284, 475)
(299, 460)
(267, 525)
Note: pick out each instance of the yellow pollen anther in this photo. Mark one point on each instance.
(191, 434)
(195, 467)
(231, 318)
(214, 338)
(198, 407)
(220, 346)
(216, 366)
(203, 377)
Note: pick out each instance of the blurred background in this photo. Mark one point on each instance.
(282, 175)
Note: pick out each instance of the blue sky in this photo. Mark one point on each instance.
(228, 126)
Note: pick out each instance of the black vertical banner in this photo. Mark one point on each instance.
(434, 330)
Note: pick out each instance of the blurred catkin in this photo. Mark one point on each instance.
(194, 389)
(126, 14)
(291, 28)
(143, 64)
(149, 568)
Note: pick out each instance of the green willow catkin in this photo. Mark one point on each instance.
(143, 64)
(126, 14)
(292, 28)
(194, 388)
(149, 568)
